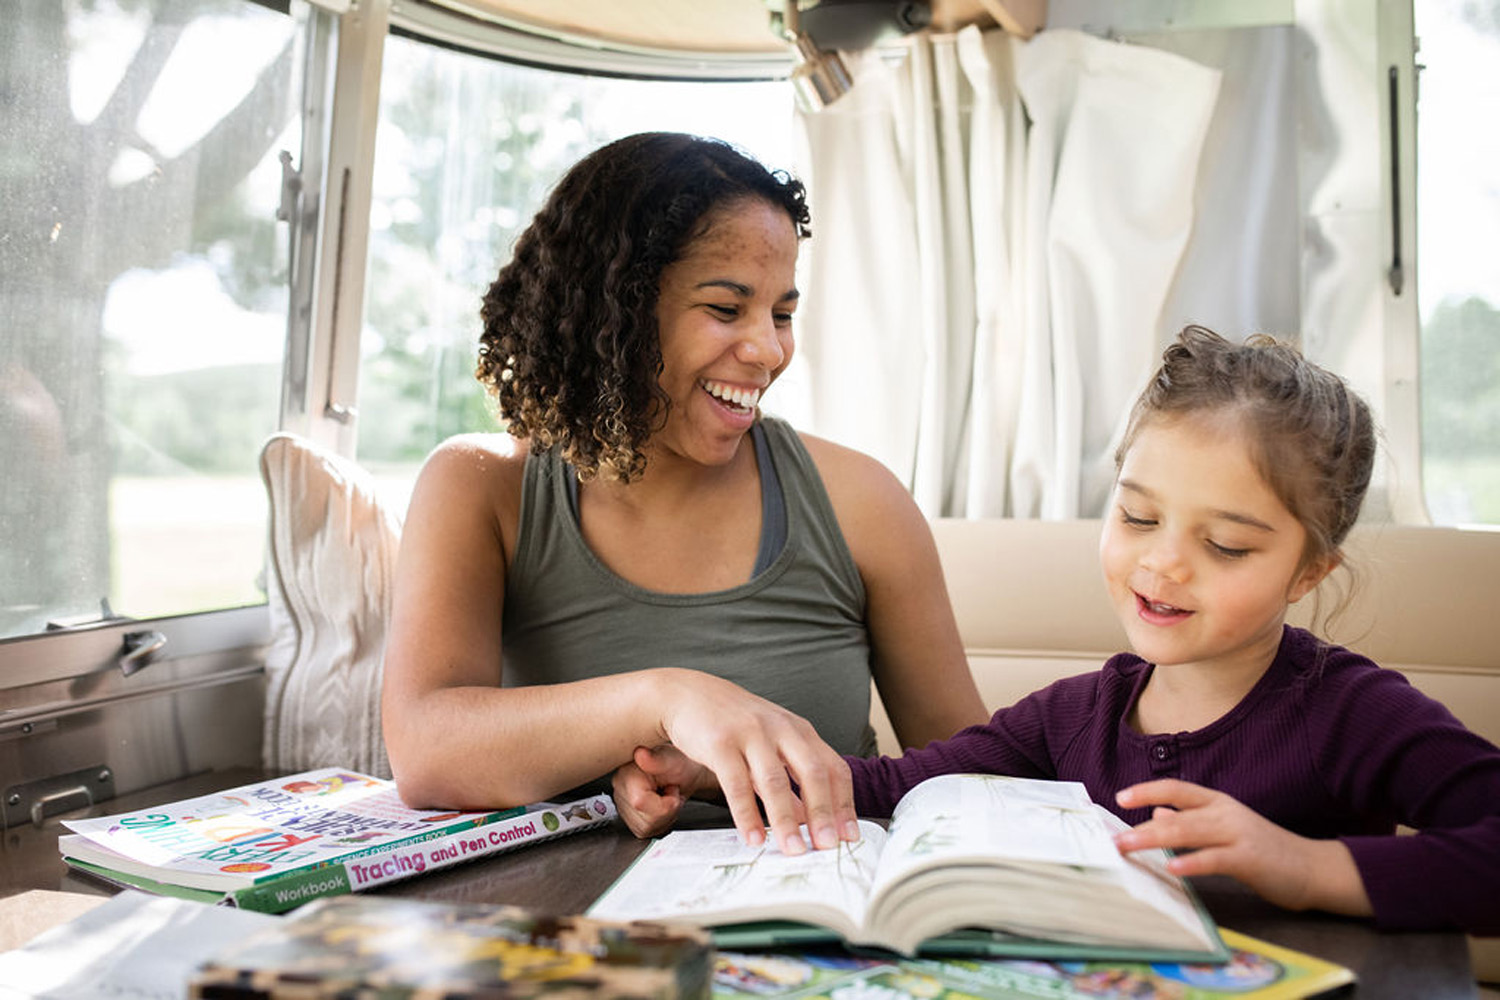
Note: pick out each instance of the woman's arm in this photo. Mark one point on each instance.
(918, 657)
(456, 739)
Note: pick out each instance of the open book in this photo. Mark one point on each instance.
(275, 844)
(971, 863)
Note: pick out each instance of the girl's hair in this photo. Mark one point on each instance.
(570, 348)
(1310, 436)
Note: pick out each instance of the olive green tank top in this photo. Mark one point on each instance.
(793, 633)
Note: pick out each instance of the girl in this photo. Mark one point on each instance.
(1251, 746)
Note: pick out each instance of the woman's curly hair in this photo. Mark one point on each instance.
(570, 347)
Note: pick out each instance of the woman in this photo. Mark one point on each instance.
(657, 562)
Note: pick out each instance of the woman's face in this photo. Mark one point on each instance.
(724, 316)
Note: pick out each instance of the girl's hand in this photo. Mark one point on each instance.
(651, 790)
(1226, 837)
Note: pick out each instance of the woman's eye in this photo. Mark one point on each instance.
(1227, 552)
(724, 312)
(782, 318)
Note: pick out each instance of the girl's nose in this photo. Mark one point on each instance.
(1165, 556)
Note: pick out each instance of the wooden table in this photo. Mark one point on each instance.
(566, 875)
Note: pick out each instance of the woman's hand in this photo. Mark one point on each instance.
(651, 790)
(1225, 837)
(756, 748)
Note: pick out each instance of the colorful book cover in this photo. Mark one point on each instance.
(543, 821)
(397, 948)
(254, 833)
(1256, 970)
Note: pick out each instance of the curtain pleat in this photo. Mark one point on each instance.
(986, 276)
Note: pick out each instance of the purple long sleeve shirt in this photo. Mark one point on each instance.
(1327, 744)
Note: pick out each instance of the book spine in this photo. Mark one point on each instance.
(407, 860)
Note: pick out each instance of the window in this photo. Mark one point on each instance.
(144, 302)
(1458, 201)
(467, 148)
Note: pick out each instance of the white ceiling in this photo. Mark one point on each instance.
(739, 26)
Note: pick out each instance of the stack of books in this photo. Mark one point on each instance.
(274, 845)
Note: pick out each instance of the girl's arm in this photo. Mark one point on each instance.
(456, 739)
(1228, 838)
(1386, 752)
(1395, 753)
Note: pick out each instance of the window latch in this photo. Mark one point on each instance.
(139, 650)
(291, 188)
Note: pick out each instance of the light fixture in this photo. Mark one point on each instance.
(819, 78)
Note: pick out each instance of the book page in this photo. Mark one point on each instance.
(981, 816)
(709, 877)
(1027, 857)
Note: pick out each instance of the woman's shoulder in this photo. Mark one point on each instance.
(484, 470)
(494, 455)
(880, 521)
(830, 453)
(852, 478)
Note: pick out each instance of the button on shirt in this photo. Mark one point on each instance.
(1162, 752)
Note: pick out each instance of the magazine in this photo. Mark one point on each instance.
(1256, 970)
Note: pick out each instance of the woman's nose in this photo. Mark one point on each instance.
(762, 346)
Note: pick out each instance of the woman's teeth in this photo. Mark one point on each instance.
(745, 399)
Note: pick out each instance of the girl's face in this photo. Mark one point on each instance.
(1199, 555)
(724, 316)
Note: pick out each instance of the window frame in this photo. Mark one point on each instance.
(328, 232)
(216, 646)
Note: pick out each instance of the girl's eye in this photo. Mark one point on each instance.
(1135, 522)
(1227, 552)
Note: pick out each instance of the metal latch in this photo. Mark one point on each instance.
(139, 649)
(34, 801)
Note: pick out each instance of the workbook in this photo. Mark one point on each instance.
(970, 864)
(275, 844)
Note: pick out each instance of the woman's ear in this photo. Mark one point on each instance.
(1311, 575)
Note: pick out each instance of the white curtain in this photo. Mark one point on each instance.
(986, 278)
